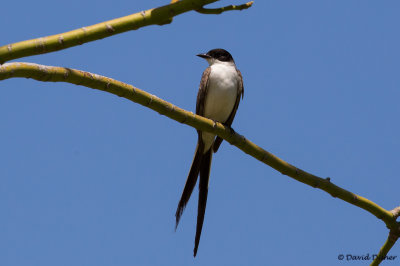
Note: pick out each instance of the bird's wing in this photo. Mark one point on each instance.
(201, 95)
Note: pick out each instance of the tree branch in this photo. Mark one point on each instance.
(390, 241)
(156, 16)
(220, 10)
(94, 81)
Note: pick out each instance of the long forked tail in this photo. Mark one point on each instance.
(205, 167)
(190, 182)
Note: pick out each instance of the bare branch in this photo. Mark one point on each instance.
(383, 252)
(220, 10)
(156, 16)
(60, 74)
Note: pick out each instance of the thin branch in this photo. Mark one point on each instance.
(156, 16)
(383, 253)
(60, 74)
(216, 11)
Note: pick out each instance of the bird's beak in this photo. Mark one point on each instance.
(205, 56)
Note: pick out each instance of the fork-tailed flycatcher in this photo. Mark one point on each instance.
(221, 87)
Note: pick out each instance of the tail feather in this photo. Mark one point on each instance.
(203, 192)
(190, 182)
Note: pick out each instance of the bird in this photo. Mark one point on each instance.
(220, 91)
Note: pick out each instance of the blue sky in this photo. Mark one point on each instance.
(88, 178)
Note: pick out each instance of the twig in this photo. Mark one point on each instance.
(220, 10)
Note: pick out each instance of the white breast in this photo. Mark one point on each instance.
(222, 92)
(221, 96)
